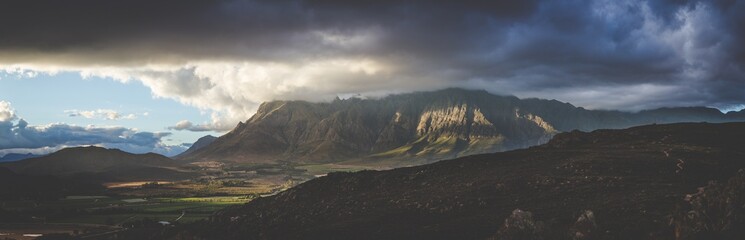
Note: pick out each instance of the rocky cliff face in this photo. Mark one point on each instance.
(425, 125)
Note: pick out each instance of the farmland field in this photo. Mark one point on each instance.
(108, 210)
(117, 206)
(102, 214)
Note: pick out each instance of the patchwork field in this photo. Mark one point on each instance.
(117, 210)
(93, 215)
(126, 204)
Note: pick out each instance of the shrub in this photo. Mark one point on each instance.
(520, 226)
(585, 227)
(716, 211)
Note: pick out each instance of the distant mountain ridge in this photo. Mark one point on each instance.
(200, 143)
(422, 125)
(111, 164)
(11, 157)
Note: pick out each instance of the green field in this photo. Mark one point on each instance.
(115, 211)
(321, 169)
(173, 202)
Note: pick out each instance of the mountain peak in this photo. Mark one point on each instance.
(87, 149)
(423, 126)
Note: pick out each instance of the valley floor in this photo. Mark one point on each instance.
(126, 204)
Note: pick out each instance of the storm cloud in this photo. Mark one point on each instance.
(228, 56)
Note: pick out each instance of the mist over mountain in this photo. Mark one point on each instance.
(423, 126)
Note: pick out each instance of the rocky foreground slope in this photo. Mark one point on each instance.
(681, 181)
(425, 125)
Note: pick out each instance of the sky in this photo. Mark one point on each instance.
(152, 75)
(67, 100)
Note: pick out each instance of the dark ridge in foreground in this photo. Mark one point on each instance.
(649, 182)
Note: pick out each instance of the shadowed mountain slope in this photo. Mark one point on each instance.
(634, 182)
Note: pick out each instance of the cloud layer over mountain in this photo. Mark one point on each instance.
(227, 56)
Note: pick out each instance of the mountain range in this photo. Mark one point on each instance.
(421, 126)
(108, 164)
(673, 181)
(10, 157)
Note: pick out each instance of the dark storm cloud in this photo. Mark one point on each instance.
(172, 30)
(599, 54)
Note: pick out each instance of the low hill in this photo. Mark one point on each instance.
(110, 164)
(648, 182)
(421, 127)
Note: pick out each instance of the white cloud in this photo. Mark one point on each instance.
(106, 114)
(181, 125)
(189, 126)
(7, 113)
(21, 137)
(35, 151)
(232, 90)
(20, 71)
(130, 116)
